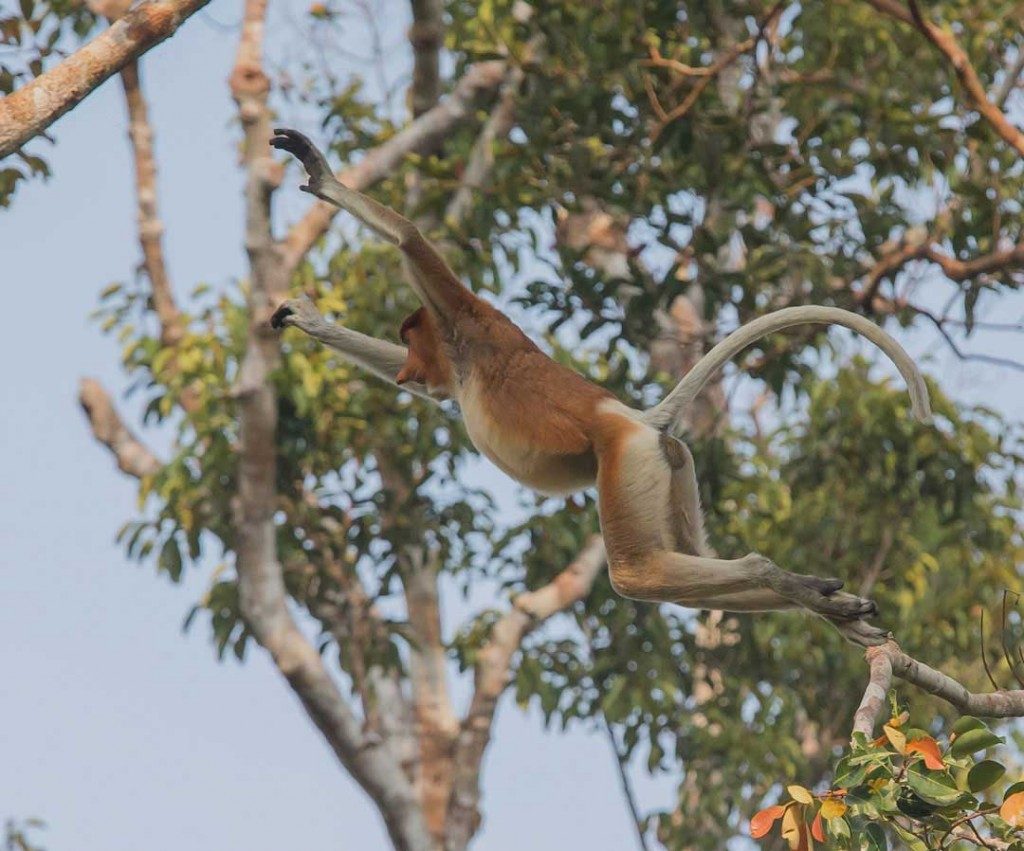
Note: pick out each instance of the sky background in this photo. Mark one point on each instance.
(115, 728)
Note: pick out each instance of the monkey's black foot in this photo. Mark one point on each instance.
(277, 320)
(860, 632)
(300, 146)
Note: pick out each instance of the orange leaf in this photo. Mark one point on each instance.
(929, 749)
(816, 829)
(762, 822)
(1012, 810)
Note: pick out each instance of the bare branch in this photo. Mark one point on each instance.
(493, 669)
(421, 134)
(140, 132)
(426, 35)
(622, 764)
(879, 683)
(481, 158)
(955, 55)
(264, 603)
(888, 660)
(132, 456)
(34, 107)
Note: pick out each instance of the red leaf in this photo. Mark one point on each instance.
(816, 829)
(929, 749)
(762, 822)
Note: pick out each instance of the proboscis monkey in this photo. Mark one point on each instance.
(554, 431)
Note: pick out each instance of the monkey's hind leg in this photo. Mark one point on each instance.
(650, 511)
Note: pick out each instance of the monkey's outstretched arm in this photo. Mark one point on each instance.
(435, 284)
(665, 415)
(381, 358)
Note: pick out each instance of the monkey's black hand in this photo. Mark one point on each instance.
(299, 145)
(277, 320)
(298, 312)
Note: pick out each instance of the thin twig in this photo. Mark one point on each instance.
(622, 763)
(984, 658)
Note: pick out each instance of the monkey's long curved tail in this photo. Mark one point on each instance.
(665, 416)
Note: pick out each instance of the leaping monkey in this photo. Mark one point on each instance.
(551, 429)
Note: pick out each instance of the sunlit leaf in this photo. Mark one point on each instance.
(762, 821)
(929, 749)
(800, 794)
(1012, 810)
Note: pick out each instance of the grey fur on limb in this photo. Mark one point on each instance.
(379, 357)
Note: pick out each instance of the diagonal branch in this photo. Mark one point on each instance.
(1011, 80)
(133, 457)
(492, 674)
(421, 134)
(955, 55)
(426, 35)
(481, 158)
(34, 107)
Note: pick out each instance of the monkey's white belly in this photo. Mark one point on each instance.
(542, 471)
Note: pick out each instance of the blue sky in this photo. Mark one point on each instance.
(114, 727)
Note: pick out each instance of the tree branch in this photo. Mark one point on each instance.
(132, 456)
(421, 134)
(1010, 82)
(262, 593)
(426, 35)
(140, 133)
(491, 676)
(481, 158)
(704, 75)
(34, 107)
(955, 55)
(888, 660)
(879, 683)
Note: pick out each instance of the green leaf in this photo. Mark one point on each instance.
(933, 788)
(874, 838)
(170, 558)
(974, 740)
(967, 722)
(985, 774)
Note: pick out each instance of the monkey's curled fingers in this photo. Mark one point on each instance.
(299, 145)
(299, 312)
(815, 593)
(860, 632)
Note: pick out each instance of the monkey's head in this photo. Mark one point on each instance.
(426, 362)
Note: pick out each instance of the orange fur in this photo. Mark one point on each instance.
(551, 429)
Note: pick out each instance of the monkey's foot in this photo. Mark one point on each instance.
(300, 146)
(299, 312)
(821, 596)
(860, 632)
